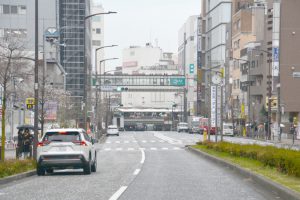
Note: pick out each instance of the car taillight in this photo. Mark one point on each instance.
(81, 143)
(44, 143)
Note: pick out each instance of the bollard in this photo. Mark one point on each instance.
(244, 132)
(204, 135)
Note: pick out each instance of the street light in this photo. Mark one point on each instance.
(85, 67)
(101, 61)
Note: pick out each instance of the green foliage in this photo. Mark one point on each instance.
(284, 160)
(12, 167)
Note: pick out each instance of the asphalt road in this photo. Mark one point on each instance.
(141, 166)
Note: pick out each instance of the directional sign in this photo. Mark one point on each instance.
(276, 54)
(108, 88)
(177, 81)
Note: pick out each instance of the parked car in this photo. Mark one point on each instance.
(182, 127)
(66, 148)
(228, 129)
(112, 130)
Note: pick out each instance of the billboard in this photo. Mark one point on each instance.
(51, 110)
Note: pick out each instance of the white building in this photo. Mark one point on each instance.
(149, 60)
(97, 36)
(188, 59)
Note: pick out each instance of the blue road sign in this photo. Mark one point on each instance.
(276, 54)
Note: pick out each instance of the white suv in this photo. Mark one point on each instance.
(66, 148)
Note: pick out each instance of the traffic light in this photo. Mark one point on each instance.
(122, 89)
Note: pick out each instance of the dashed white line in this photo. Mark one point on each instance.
(164, 148)
(134, 141)
(136, 172)
(153, 148)
(143, 156)
(152, 141)
(126, 141)
(107, 149)
(144, 141)
(108, 142)
(130, 149)
(116, 195)
(118, 142)
(119, 149)
(176, 148)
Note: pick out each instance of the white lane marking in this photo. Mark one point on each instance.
(116, 195)
(167, 139)
(118, 142)
(126, 141)
(136, 172)
(108, 142)
(107, 149)
(176, 148)
(153, 148)
(119, 149)
(164, 148)
(152, 141)
(144, 141)
(134, 141)
(130, 149)
(143, 155)
(161, 141)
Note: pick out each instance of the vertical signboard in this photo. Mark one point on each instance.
(213, 106)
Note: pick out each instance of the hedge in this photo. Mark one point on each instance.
(284, 160)
(12, 167)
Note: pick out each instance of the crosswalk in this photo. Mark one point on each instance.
(150, 141)
(145, 149)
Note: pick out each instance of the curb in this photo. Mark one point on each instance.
(17, 177)
(266, 183)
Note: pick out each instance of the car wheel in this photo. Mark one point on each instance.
(49, 171)
(87, 168)
(94, 165)
(40, 171)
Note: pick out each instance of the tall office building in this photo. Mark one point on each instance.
(73, 27)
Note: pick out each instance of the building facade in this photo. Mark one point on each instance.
(149, 60)
(189, 59)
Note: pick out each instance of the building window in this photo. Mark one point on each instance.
(96, 43)
(98, 31)
(14, 10)
(22, 10)
(6, 9)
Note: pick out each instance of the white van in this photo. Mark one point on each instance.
(228, 129)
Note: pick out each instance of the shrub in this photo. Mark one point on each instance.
(12, 167)
(284, 160)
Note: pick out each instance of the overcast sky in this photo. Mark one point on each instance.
(141, 21)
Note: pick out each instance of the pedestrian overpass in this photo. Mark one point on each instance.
(139, 83)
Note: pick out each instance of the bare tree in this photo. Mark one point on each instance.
(11, 66)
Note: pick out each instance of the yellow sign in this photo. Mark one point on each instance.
(274, 102)
(30, 103)
(242, 110)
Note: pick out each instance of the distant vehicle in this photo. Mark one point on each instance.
(182, 127)
(140, 127)
(204, 125)
(228, 129)
(194, 124)
(112, 130)
(66, 148)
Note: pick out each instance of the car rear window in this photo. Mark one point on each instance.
(62, 136)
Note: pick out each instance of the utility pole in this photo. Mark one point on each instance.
(269, 83)
(186, 85)
(36, 81)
